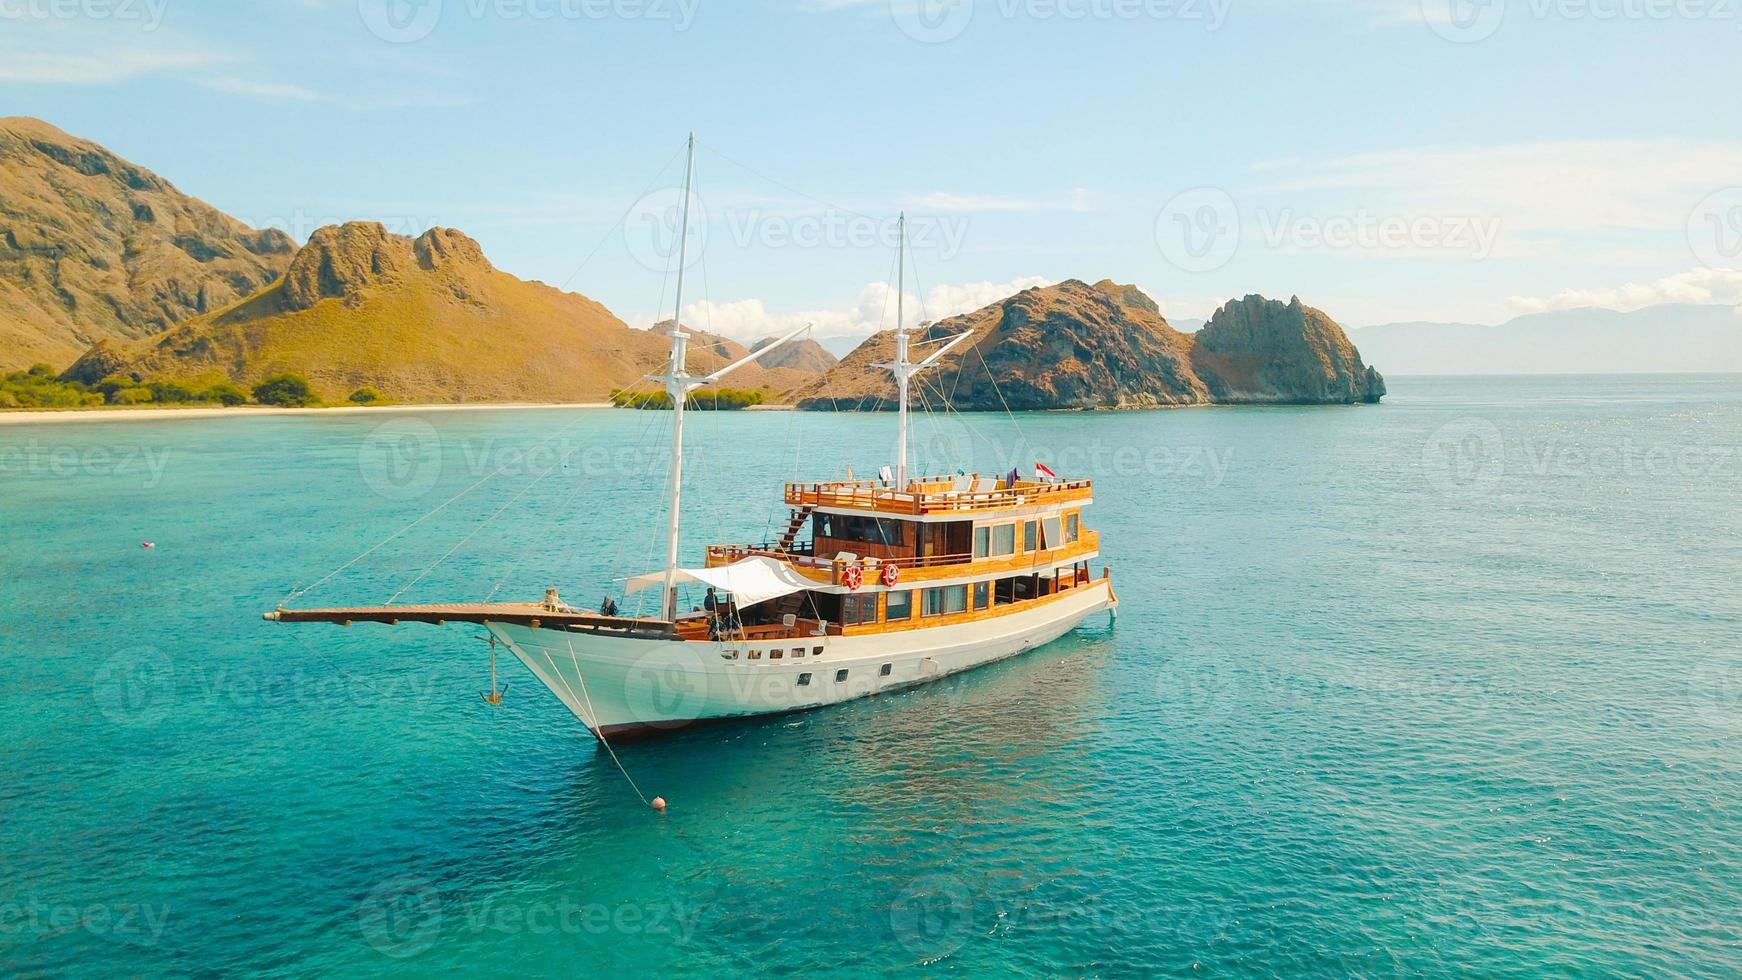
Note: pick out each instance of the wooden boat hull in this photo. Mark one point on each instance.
(622, 685)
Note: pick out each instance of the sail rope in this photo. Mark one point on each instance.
(299, 593)
(473, 533)
(600, 731)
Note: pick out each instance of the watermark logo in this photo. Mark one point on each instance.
(670, 686)
(1715, 690)
(1198, 230)
(1715, 228)
(1464, 457)
(1464, 21)
(401, 459)
(932, 21)
(933, 916)
(401, 917)
(400, 21)
(135, 686)
(654, 223)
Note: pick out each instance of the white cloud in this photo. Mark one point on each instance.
(65, 52)
(1694, 286)
(749, 320)
(264, 90)
(946, 201)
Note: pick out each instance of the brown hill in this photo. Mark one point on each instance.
(424, 320)
(95, 248)
(806, 356)
(1073, 345)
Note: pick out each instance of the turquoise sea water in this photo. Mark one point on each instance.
(1447, 684)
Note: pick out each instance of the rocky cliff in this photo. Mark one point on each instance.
(95, 248)
(1075, 345)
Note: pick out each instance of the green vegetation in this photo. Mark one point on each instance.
(367, 396)
(285, 390)
(706, 399)
(39, 388)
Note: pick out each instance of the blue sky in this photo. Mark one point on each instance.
(1383, 159)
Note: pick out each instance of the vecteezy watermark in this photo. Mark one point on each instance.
(405, 458)
(1715, 691)
(1715, 229)
(141, 686)
(650, 230)
(409, 21)
(402, 917)
(146, 13)
(936, 21)
(935, 915)
(1464, 457)
(1193, 466)
(668, 686)
(133, 923)
(1469, 21)
(1201, 229)
(34, 458)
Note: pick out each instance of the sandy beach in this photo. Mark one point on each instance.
(28, 416)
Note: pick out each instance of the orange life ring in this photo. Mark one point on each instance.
(891, 575)
(853, 577)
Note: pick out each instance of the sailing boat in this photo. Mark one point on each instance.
(903, 580)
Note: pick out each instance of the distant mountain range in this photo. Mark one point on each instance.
(1671, 337)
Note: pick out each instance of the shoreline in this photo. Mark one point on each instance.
(109, 414)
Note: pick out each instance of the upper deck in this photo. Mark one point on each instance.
(936, 496)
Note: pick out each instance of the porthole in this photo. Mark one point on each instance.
(804, 679)
(885, 669)
(840, 675)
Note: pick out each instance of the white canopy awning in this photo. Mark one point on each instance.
(750, 580)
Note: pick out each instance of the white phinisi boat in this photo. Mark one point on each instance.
(902, 580)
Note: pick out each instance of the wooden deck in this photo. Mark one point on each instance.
(531, 614)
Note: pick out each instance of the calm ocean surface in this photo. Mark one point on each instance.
(1452, 683)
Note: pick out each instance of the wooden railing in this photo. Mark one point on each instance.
(830, 570)
(932, 496)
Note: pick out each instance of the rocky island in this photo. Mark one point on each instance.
(1106, 346)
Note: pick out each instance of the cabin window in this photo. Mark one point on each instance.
(982, 542)
(840, 675)
(897, 606)
(1051, 527)
(885, 669)
(755, 655)
(856, 609)
(1005, 590)
(804, 679)
(950, 599)
(730, 655)
(1030, 536)
(1003, 540)
(798, 651)
(982, 594)
(816, 651)
(866, 530)
(1073, 528)
(775, 654)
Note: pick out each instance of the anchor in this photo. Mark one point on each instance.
(492, 697)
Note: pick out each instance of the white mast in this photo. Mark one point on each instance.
(677, 386)
(901, 372)
(900, 367)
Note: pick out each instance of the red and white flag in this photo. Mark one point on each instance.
(1041, 470)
